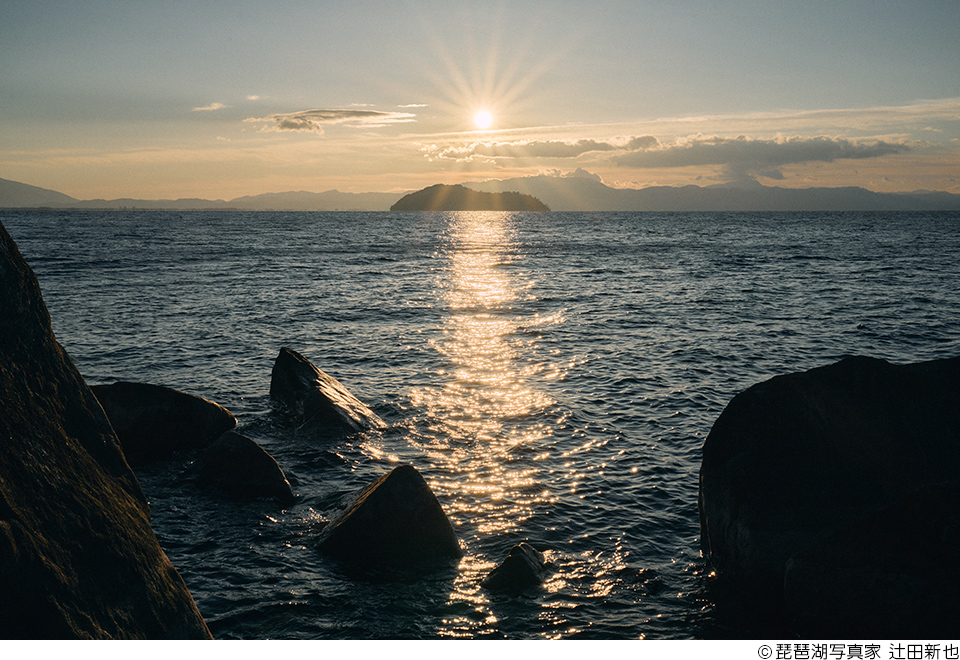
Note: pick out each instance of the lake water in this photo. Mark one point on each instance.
(553, 376)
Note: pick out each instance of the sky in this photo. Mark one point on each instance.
(174, 98)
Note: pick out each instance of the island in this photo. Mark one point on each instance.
(460, 198)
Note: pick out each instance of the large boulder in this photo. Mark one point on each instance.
(524, 567)
(241, 468)
(315, 400)
(78, 558)
(154, 422)
(799, 458)
(893, 575)
(395, 520)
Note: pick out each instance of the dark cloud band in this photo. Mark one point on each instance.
(758, 153)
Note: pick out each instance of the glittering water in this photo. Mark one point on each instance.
(553, 376)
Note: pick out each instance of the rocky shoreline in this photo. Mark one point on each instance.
(78, 557)
(831, 494)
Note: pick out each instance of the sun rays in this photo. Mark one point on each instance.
(487, 78)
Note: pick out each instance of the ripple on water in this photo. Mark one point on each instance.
(553, 377)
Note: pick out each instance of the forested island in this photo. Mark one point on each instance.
(460, 198)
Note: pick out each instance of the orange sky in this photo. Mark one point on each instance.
(107, 99)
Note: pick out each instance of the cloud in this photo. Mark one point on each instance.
(744, 157)
(212, 106)
(314, 120)
(491, 150)
(413, 105)
(253, 97)
(581, 173)
(578, 173)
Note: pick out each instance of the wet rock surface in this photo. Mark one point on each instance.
(155, 422)
(793, 464)
(523, 568)
(238, 466)
(396, 519)
(78, 558)
(314, 400)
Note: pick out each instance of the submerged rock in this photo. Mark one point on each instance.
(524, 567)
(78, 558)
(241, 468)
(315, 400)
(154, 422)
(396, 519)
(802, 457)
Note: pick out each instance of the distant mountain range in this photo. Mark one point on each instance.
(563, 193)
(585, 193)
(21, 195)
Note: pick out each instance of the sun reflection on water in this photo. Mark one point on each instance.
(486, 411)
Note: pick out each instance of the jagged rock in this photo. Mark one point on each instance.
(804, 456)
(154, 422)
(524, 567)
(396, 519)
(893, 575)
(78, 558)
(315, 400)
(241, 468)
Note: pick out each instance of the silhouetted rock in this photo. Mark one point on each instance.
(893, 575)
(396, 519)
(524, 567)
(154, 422)
(802, 457)
(316, 400)
(78, 558)
(241, 468)
(459, 198)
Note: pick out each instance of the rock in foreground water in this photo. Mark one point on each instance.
(315, 400)
(524, 567)
(78, 558)
(241, 468)
(396, 519)
(800, 458)
(154, 422)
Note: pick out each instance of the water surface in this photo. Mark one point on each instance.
(553, 376)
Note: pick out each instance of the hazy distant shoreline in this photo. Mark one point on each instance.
(582, 194)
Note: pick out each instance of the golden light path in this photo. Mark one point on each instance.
(485, 412)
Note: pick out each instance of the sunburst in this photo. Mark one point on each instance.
(483, 120)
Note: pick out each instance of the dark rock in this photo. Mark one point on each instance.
(442, 197)
(241, 468)
(155, 422)
(801, 457)
(78, 558)
(523, 568)
(396, 519)
(893, 575)
(315, 400)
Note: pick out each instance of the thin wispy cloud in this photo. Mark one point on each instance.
(211, 107)
(314, 120)
(492, 150)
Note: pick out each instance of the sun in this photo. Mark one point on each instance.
(483, 119)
